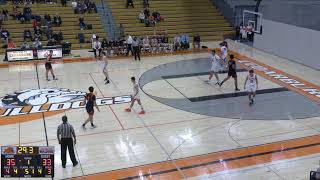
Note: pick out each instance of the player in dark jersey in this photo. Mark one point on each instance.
(48, 66)
(90, 100)
(232, 72)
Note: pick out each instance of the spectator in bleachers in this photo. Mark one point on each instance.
(184, 41)
(64, 3)
(141, 16)
(60, 37)
(176, 42)
(156, 15)
(146, 44)
(57, 20)
(92, 7)
(4, 34)
(5, 14)
(196, 41)
(51, 42)
(25, 45)
(49, 33)
(11, 44)
(38, 33)
(81, 23)
(36, 23)
(21, 17)
(14, 12)
(27, 35)
(145, 3)
(146, 13)
(104, 43)
(27, 13)
(150, 21)
(130, 3)
(36, 44)
(47, 17)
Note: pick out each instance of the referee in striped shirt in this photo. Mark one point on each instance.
(65, 133)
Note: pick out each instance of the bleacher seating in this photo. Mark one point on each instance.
(70, 27)
(181, 16)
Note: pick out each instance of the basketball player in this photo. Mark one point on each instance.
(90, 100)
(231, 72)
(251, 85)
(215, 66)
(224, 53)
(105, 68)
(135, 96)
(48, 66)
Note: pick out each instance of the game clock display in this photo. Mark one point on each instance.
(27, 161)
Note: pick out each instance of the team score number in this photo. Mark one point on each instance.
(25, 150)
(11, 162)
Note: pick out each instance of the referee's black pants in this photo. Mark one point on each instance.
(136, 52)
(67, 143)
(129, 49)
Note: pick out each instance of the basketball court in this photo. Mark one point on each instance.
(191, 129)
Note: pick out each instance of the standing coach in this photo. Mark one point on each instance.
(65, 132)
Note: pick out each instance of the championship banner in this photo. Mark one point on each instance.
(43, 53)
(20, 55)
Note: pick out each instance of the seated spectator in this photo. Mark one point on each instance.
(146, 44)
(57, 20)
(130, 3)
(47, 17)
(92, 7)
(96, 46)
(141, 16)
(145, 3)
(27, 13)
(25, 45)
(11, 44)
(36, 44)
(146, 13)
(4, 34)
(150, 21)
(60, 37)
(21, 17)
(36, 24)
(156, 16)
(81, 23)
(104, 43)
(51, 42)
(176, 42)
(184, 41)
(27, 35)
(5, 14)
(14, 12)
(64, 3)
(49, 33)
(37, 33)
(1, 19)
(196, 41)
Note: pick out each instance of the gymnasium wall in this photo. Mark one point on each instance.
(287, 37)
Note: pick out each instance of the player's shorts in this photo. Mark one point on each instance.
(215, 68)
(90, 110)
(232, 74)
(48, 66)
(251, 88)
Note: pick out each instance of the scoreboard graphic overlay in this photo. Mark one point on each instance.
(27, 161)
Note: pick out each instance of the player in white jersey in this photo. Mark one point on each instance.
(251, 85)
(215, 66)
(105, 68)
(224, 52)
(135, 96)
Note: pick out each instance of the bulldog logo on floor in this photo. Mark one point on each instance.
(50, 99)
